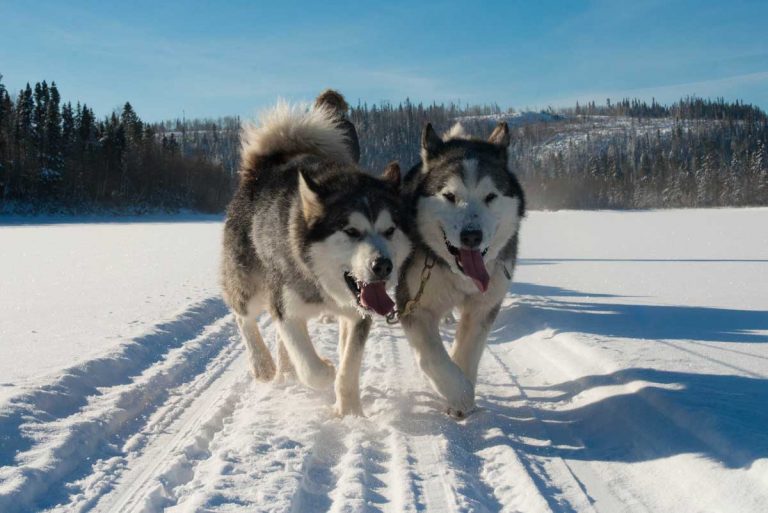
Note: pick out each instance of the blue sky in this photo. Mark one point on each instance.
(221, 58)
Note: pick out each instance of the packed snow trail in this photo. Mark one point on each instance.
(622, 381)
(220, 442)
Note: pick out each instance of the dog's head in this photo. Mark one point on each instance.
(354, 243)
(468, 202)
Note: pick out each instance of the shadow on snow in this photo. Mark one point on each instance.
(718, 416)
(640, 321)
(722, 417)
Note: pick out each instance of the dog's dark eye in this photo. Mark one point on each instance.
(450, 197)
(390, 231)
(353, 233)
(490, 197)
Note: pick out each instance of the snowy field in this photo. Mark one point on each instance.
(627, 372)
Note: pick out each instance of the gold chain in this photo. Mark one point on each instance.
(395, 316)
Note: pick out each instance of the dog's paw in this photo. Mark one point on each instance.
(343, 409)
(321, 376)
(457, 390)
(283, 377)
(459, 414)
(462, 406)
(263, 368)
(285, 373)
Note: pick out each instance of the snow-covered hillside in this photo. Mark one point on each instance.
(603, 129)
(628, 371)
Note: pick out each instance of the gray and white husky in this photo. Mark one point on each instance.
(465, 211)
(309, 233)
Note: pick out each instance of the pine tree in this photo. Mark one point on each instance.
(53, 130)
(134, 128)
(732, 192)
(759, 172)
(6, 114)
(24, 142)
(67, 129)
(42, 96)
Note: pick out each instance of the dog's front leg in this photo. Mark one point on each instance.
(471, 337)
(311, 370)
(355, 333)
(421, 328)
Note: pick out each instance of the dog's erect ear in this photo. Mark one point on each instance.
(311, 206)
(500, 135)
(391, 174)
(430, 142)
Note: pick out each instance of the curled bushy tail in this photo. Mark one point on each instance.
(333, 100)
(291, 129)
(457, 131)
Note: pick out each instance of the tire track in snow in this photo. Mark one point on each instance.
(254, 463)
(277, 452)
(347, 469)
(72, 445)
(654, 420)
(164, 454)
(141, 446)
(545, 484)
(433, 465)
(67, 393)
(168, 462)
(241, 446)
(661, 415)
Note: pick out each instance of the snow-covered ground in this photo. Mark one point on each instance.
(628, 371)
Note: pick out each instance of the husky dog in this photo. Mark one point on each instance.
(466, 207)
(309, 233)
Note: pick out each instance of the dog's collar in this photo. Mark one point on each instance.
(430, 259)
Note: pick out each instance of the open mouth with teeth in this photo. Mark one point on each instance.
(371, 296)
(471, 263)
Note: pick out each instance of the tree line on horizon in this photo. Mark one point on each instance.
(709, 153)
(54, 156)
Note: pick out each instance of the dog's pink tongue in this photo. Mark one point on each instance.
(374, 296)
(474, 267)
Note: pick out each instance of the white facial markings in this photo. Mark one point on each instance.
(329, 260)
(439, 217)
(508, 221)
(383, 221)
(341, 253)
(359, 222)
(397, 245)
(470, 172)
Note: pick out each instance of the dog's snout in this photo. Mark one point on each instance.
(382, 268)
(471, 238)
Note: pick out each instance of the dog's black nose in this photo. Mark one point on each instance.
(382, 268)
(471, 238)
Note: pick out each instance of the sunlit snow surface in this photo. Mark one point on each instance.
(627, 371)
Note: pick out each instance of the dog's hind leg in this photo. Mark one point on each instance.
(355, 333)
(262, 365)
(285, 368)
(311, 370)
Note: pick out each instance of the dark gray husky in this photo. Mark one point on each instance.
(309, 233)
(466, 207)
